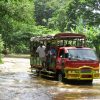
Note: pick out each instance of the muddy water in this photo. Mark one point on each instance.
(18, 83)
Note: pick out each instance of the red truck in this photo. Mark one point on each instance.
(73, 60)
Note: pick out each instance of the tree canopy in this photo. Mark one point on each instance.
(21, 19)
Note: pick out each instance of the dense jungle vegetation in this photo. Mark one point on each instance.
(22, 19)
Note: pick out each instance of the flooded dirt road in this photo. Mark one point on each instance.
(18, 83)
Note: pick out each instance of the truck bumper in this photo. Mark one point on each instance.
(83, 76)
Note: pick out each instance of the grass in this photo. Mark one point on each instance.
(18, 55)
(1, 62)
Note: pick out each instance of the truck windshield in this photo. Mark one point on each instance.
(82, 54)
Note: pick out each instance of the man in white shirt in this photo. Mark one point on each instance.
(41, 51)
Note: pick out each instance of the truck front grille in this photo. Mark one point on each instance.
(86, 70)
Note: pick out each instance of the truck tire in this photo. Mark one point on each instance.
(60, 77)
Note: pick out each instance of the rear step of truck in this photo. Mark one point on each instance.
(47, 73)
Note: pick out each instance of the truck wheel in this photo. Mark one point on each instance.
(60, 77)
(89, 81)
(38, 72)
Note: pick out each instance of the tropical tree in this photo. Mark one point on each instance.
(15, 16)
(92, 33)
(21, 19)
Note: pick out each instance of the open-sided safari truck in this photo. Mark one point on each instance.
(73, 60)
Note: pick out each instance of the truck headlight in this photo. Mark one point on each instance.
(73, 72)
(96, 71)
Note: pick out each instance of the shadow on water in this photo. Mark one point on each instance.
(78, 82)
(66, 81)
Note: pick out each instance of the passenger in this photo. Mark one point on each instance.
(52, 56)
(47, 51)
(41, 51)
(47, 48)
(53, 51)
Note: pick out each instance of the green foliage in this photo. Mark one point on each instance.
(1, 48)
(21, 19)
(43, 12)
(15, 16)
(1, 43)
(52, 13)
(92, 33)
(63, 14)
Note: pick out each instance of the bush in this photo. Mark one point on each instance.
(1, 48)
(21, 48)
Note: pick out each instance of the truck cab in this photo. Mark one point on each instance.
(80, 63)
